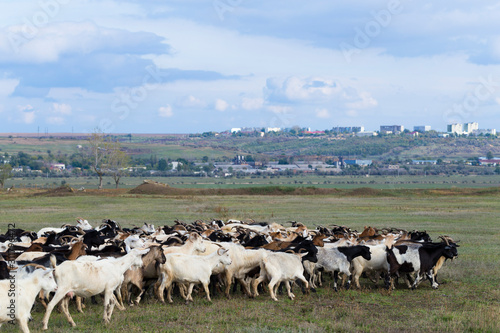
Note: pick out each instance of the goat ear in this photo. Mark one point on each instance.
(221, 251)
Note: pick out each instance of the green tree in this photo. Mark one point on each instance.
(489, 155)
(162, 164)
(5, 173)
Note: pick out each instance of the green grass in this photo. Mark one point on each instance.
(340, 182)
(467, 301)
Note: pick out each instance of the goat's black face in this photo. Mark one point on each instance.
(311, 255)
(365, 253)
(450, 252)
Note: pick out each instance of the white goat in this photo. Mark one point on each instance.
(84, 224)
(243, 261)
(337, 260)
(42, 231)
(192, 269)
(89, 278)
(377, 263)
(193, 245)
(280, 266)
(17, 301)
(132, 242)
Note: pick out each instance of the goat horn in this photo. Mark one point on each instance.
(70, 238)
(445, 239)
(176, 238)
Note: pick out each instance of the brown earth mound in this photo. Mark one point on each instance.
(59, 191)
(152, 187)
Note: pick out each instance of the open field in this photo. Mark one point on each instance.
(467, 301)
(173, 150)
(341, 182)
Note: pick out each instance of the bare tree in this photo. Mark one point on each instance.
(99, 153)
(117, 161)
(5, 173)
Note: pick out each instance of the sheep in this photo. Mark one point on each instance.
(88, 278)
(191, 269)
(20, 299)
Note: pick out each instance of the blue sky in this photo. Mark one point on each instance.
(185, 66)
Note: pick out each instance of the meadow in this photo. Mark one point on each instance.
(468, 300)
(304, 180)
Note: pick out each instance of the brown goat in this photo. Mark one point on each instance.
(369, 231)
(139, 277)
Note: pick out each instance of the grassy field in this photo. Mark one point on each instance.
(467, 301)
(341, 182)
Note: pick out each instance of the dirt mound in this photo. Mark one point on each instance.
(58, 191)
(152, 187)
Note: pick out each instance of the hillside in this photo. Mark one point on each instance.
(195, 147)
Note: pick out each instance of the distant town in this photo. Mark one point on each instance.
(471, 128)
(239, 152)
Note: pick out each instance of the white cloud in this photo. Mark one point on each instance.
(295, 89)
(322, 113)
(314, 91)
(165, 111)
(191, 102)
(26, 113)
(364, 100)
(7, 86)
(62, 109)
(55, 120)
(25, 108)
(29, 117)
(221, 105)
(252, 103)
(280, 109)
(23, 43)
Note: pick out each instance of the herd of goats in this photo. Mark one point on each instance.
(80, 261)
